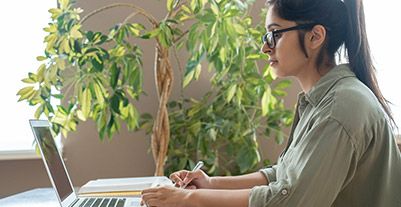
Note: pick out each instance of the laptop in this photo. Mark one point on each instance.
(61, 180)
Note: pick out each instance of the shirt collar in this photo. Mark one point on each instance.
(320, 89)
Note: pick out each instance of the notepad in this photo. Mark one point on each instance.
(123, 187)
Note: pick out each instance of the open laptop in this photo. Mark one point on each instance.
(59, 176)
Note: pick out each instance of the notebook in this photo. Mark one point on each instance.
(122, 186)
(61, 180)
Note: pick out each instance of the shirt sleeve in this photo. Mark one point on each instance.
(312, 172)
(270, 173)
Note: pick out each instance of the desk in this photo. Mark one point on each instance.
(38, 197)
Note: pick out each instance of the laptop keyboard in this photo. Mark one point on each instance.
(103, 202)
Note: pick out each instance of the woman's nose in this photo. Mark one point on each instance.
(266, 49)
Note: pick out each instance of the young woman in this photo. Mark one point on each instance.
(341, 149)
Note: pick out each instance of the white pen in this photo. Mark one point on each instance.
(198, 166)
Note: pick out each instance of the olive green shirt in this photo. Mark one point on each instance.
(342, 151)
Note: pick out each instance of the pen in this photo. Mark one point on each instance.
(198, 166)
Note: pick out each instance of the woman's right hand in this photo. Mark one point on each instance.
(195, 180)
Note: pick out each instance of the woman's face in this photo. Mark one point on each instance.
(287, 57)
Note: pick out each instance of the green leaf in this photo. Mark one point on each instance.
(239, 95)
(115, 73)
(41, 73)
(195, 6)
(191, 69)
(265, 101)
(58, 96)
(247, 158)
(195, 128)
(239, 29)
(28, 80)
(151, 34)
(170, 4)
(135, 29)
(266, 70)
(85, 100)
(60, 63)
(75, 33)
(215, 8)
(277, 92)
(223, 55)
(212, 134)
(41, 58)
(203, 2)
(81, 115)
(231, 13)
(38, 112)
(112, 126)
(198, 71)
(97, 63)
(256, 56)
(188, 78)
(59, 118)
(280, 137)
(283, 84)
(97, 38)
(119, 51)
(64, 4)
(25, 92)
(99, 94)
(186, 9)
(55, 12)
(136, 81)
(231, 92)
(133, 122)
(272, 74)
(165, 36)
(115, 102)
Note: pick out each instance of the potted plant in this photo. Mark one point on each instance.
(98, 75)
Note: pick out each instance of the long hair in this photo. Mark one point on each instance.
(345, 25)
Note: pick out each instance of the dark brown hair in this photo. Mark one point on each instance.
(344, 22)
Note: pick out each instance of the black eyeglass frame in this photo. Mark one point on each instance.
(271, 35)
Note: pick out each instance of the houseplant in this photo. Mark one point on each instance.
(97, 76)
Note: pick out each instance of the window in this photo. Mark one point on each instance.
(22, 40)
(383, 32)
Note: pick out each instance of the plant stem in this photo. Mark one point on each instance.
(181, 36)
(129, 17)
(181, 71)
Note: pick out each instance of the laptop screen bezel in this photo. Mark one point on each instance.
(71, 197)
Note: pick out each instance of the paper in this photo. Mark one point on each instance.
(121, 186)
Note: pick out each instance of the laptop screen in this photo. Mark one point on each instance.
(53, 160)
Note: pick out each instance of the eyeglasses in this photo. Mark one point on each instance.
(270, 38)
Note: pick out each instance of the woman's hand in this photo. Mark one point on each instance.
(165, 196)
(170, 196)
(195, 180)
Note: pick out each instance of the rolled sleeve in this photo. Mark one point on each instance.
(259, 195)
(270, 173)
(266, 195)
(312, 172)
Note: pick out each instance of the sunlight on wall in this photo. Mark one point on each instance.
(383, 28)
(22, 40)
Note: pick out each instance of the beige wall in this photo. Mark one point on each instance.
(128, 153)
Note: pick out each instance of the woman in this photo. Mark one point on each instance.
(341, 149)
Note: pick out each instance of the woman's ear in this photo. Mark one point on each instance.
(316, 37)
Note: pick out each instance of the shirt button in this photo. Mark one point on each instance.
(284, 192)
